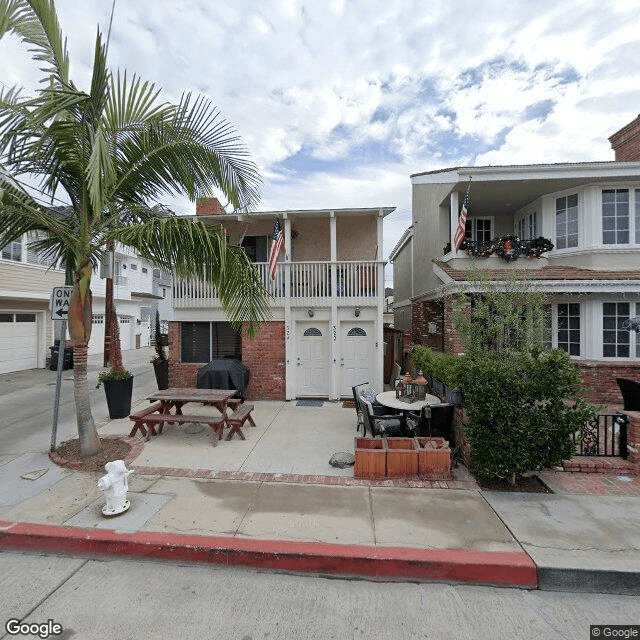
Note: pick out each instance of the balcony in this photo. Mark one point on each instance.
(309, 284)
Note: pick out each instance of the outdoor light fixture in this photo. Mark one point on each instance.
(310, 313)
(356, 313)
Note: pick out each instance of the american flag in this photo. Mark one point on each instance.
(277, 242)
(462, 223)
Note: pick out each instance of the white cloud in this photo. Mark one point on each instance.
(339, 102)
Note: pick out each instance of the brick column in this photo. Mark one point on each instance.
(424, 314)
(452, 343)
(265, 356)
(633, 441)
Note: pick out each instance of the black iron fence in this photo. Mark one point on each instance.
(605, 435)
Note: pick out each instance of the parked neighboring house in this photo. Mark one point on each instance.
(327, 301)
(26, 328)
(139, 289)
(590, 212)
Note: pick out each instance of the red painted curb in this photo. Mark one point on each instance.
(514, 569)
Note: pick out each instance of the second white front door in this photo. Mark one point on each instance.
(313, 356)
(356, 355)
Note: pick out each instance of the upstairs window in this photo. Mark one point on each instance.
(528, 226)
(615, 216)
(13, 251)
(567, 221)
(256, 247)
(479, 229)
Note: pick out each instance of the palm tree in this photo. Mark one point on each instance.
(110, 152)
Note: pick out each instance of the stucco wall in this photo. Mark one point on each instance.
(430, 232)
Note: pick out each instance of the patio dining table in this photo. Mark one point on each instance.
(388, 399)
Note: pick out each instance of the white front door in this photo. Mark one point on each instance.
(312, 359)
(356, 355)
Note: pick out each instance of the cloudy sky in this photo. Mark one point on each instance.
(339, 101)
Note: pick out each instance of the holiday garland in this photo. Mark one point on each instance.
(509, 247)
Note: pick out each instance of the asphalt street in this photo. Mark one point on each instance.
(128, 599)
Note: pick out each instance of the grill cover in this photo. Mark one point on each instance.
(226, 373)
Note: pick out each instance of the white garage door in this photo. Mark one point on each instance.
(18, 341)
(96, 343)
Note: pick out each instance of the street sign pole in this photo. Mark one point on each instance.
(59, 313)
(56, 397)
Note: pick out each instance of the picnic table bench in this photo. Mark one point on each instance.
(237, 419)
(146, 419)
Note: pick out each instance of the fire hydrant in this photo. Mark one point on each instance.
(115, 486)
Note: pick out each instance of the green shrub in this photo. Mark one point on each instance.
(519, 419)
(445, 367)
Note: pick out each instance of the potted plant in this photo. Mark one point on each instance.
(117, 381)
(160, 361)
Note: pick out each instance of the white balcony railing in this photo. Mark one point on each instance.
(310, 283)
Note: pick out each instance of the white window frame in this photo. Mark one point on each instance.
(618, 329)
(473, 225)
(527, 226)
(555, 219)
(10, 247)
(554, 326)
(631, 213)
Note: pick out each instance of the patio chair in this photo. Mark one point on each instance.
(378, 423)
(370, 393)
(436, 420)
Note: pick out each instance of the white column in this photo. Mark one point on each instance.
(453, 200)
(335, 348)
(378, 380)
(289, 345)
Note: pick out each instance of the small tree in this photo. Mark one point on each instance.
(516, 390)
(161, 356)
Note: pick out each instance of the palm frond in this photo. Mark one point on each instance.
(190, 249)
(189, 151)
(36, 23)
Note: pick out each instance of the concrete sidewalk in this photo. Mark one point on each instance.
(272, 501)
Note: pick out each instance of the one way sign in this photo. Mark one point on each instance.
(60, 305)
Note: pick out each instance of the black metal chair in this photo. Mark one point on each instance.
(432, 421)
(379, 424)
(630, 390)
(370, 396)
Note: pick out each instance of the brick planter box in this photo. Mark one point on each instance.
(402, 457)
(371, 458)
(434, 458)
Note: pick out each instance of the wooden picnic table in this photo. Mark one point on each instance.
(175, 398)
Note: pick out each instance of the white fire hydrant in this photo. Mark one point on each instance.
(115, 486)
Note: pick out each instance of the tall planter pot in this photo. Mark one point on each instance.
(119, 394)
(162, 374)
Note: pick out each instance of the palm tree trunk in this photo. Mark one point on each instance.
(87, 432)
(80, 320)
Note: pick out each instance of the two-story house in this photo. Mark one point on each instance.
(26, 328)
(589, 211)
(327, 302)
(139, 288)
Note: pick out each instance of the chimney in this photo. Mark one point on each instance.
(209, 207)
(626, 142)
